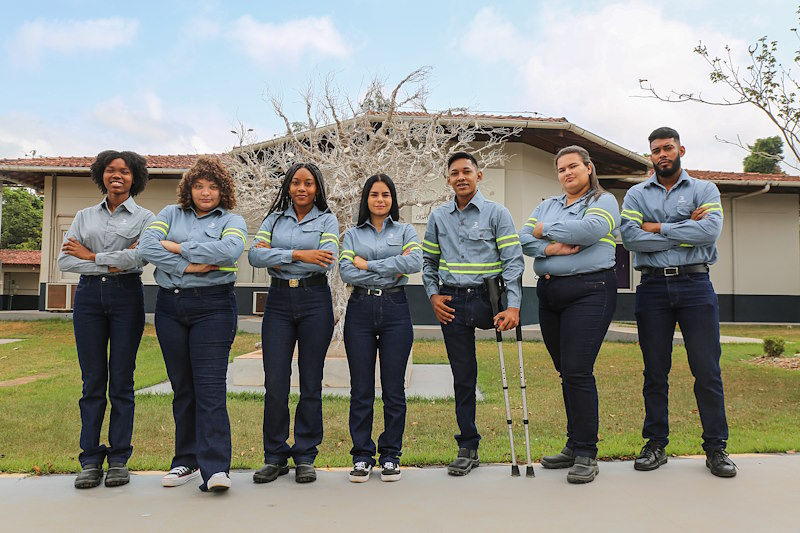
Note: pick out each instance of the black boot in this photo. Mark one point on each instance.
(720, 464)
(565, 459)
(467, 460)
(90, 476)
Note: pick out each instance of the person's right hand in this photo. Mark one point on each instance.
(322, 258)
(443, 312)
(200, 268)
(559, 248)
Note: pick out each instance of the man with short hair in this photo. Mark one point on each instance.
(672, 222)
(468, 240)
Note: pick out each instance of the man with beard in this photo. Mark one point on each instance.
(672, 222)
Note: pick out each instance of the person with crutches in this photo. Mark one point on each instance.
(572, 239)
(467, 240)
(495, 287)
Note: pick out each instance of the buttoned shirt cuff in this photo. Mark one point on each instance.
(102, 258)
(545, 228)
(431, 289)
(181, 265)
(665, 227)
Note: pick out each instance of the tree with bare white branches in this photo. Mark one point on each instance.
(390, 132)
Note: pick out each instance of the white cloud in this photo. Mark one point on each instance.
(585, 65)
(489, 37)
(39, 38)
(288, 42)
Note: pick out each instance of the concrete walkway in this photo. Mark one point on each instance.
(680, 496)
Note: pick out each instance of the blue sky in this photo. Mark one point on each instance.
(176, 77)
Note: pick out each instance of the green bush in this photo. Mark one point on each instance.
(774, 346)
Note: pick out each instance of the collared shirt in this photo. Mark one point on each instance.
(592, 225)
(462, 247)
(383, 250)
(682, 241)
(282, 231)
(109, 235)
(216, 238)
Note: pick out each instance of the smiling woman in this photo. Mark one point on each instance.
(109, 309)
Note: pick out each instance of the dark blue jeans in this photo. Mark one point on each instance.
(196, 328)
(574, 314)
(302, 315)
(108, 317)
(377, 324)
(690, 301)
(472, 310)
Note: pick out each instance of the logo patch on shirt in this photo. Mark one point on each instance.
(123, 221)
(681, 200)
(213, 224)
(475, 224)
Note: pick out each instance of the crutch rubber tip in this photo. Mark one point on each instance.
(529, 472)
(514, 471)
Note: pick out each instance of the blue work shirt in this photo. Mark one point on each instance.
(383, 250)
(682, 241)
(592, 225)
(462, 247)
(282, 231)
(109, 235)
(216, 238)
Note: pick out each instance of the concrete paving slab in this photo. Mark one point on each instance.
(9, 341)
(680, 496)
(429, 381)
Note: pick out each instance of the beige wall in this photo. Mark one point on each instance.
(21, 280)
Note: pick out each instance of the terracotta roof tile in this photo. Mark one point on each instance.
(740, 176)
(153, 161)
(21, 257)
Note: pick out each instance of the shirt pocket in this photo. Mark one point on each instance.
(480, 234)
(310, 235)
(214, 233)
(684, 210)
(394, 245)
(482, 243)
(127, 234)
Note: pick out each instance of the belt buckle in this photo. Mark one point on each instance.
(671, 271)
(375, 292)
(294, 283)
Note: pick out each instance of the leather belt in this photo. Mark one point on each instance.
(319, 279)
(675, 271)
(377, 292)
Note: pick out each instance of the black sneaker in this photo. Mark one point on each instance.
(565, 459)
(117, 475)
(390, 472)
(720, 464)
(179, 475)
(270, 472)
(90, 476)
(467, 460)
(360, 473)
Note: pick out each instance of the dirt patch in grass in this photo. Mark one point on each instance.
(23, 380)
(791, 363)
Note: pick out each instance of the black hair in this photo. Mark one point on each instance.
(664, 133)
(282, 201)
(363, 209)
(461, 155)
(595, 188)
(135, 162)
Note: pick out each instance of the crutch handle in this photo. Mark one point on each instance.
(493, 290)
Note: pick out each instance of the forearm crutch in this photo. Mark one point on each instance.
(529, 469)
(493, 291)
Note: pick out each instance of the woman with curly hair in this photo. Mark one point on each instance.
(109, 310)
(298, 243)
(195, 245)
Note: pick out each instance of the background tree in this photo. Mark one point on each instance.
(22, 219)
(765, 154)
(765, 83)
(388, 131)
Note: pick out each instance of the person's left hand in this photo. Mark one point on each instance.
(360, 263)
(74, 248)
(261, 244)
(652, 227)
(171, 246)
(700, 213)
(538, 230)
(506, 320)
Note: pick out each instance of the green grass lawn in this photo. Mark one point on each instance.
(40, 423)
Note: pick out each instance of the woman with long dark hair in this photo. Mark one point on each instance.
(195, 245)
(108, 311)
(378, 254)
(297, 243)
(572, 240)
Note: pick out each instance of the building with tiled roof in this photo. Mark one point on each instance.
(19, 279)
(761, 216)
(21, 257)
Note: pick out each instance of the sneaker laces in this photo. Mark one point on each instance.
(180, 471)
(388, 465)
(719, 454)
(361, 466)
(650, 448)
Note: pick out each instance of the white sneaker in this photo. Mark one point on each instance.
(219, 481)
(361, 471)
(390, 472)
(179, 475)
